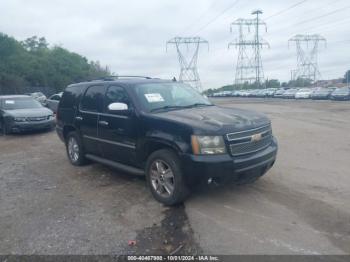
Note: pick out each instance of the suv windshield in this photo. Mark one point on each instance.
(169, 96)
(20, 103)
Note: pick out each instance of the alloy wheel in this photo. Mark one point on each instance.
(162, 178)
(73, 149)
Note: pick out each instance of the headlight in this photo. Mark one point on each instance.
(208, 145)
(20, 119)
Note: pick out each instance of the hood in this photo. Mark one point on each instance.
(215, 119)
(30, 112)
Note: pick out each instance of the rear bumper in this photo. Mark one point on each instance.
(29, 126)
(201, 168)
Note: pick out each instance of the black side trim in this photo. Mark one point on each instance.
(121, 167)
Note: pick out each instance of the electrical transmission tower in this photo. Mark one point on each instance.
(188, 63)
(307, 56)
(249, 68)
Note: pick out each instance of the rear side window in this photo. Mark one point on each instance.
(93, 99)
(70, 96)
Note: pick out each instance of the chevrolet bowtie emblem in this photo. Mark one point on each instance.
(256, 138)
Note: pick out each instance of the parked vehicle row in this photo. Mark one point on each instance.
(332, 93)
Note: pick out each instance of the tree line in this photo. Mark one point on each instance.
(32, 65)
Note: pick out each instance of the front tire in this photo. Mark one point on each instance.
(165, 177)
(75, 150)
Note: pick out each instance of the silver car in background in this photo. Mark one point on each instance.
(52, 102)
(23, 113)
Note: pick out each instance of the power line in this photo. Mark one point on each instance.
(335, 23)
(286, 9)
(197, 20)
(216, 17)
(310, 20)
(324, 15)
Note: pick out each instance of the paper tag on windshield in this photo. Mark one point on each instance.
(9, 102)
(154, 98)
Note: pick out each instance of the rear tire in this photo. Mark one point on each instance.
(75, 149)
(165, 177)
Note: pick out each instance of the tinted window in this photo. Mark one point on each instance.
(116, 94)
(93, 99)
(71, 95)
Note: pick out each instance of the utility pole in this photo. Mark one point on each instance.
(188, 64)
(307, 56)
(249, 68)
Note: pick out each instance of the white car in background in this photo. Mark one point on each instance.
(304, 93)
(38, 96)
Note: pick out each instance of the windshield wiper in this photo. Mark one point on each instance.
(180, 107)
(198, 104)
(167, 107)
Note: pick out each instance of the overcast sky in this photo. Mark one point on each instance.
(130, 35)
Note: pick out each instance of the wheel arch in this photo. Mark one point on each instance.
(152, 145)
(67, 130)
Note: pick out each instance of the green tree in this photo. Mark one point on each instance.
(273, 83)
(31, 65)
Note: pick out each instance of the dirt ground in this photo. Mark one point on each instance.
(302, 206)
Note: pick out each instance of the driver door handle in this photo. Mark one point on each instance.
(103, 123)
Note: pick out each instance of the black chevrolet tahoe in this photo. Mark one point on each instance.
(165, 130)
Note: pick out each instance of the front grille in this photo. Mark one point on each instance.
(42, 118)
(241, 143)
(248, 133)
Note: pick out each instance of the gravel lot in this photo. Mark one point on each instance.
(302, 206)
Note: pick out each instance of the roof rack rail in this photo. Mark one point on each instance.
(111, 78)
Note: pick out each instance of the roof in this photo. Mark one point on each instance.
(125, 81)
(13, 96)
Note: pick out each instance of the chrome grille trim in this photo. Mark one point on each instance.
(240, 134)
(250, 147)
(41, 118)
(240, 143)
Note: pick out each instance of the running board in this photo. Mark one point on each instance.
(116, 165)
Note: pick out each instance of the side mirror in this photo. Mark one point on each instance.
(116, 107)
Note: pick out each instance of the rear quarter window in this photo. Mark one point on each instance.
(71, 96)
(93, 99)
